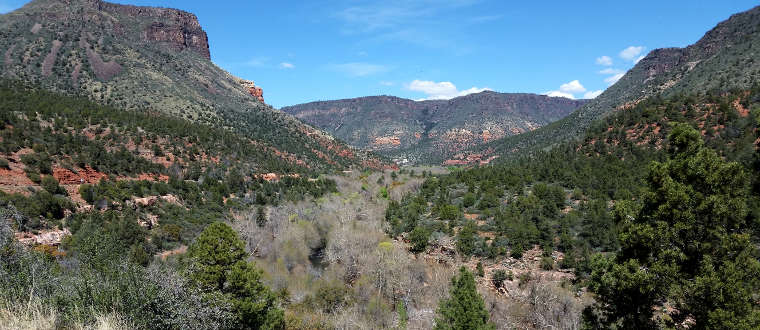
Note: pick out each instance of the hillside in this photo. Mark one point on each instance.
(153, 60)
(724, 58)
(426, 131)
(596, 194)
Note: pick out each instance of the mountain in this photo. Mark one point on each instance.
(424, 131)
(148, 60)
(724, 58)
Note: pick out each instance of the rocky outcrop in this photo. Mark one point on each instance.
(86, 175)
(152, 200)
(46, 237)
(179, 37)
(471, 159)
(176, 28)
(387, 140)
(252, 89)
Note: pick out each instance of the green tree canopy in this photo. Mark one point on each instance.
(218, 263)
(464, 309)
(688, 245)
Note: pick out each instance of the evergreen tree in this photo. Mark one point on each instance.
(419, 238)
(218, 263)
(466, 238)
(261, 216)
(464, 309)
(688, 245)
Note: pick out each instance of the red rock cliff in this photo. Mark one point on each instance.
(176, 28)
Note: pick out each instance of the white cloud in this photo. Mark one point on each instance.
(611, 71)
(286, 65)
(559, 94)
(631, 53)
(611, 80)
(572, 87)
(592, 94)
(604, 60)
(359, 69)
(567, 90)
(386, 83)
(440, 90)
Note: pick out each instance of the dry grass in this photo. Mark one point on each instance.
(36, 316)
(32, 316)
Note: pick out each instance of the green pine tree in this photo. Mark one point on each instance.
(466, 238)
(464, 309)
(688, 244)
(261, 216)
(218, 263)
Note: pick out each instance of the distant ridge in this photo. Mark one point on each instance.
(724, 58)
(153, 60)
(427, 131)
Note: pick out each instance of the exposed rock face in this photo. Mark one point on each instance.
(392, 140)
(86, 175)
(46, 237)
(252, 89)
(471, 159)
(179, 37)
(151, 200)
(179, 29)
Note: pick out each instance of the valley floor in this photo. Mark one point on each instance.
(339, 268)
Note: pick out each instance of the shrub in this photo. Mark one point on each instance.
(517, 251)
(448, 212)
(50, 184)
(172, 232)
(466, 238)
(34, 176)
(488, 200)
(331, 297)
(87, 192)
(4, 164)
(469, 199)
(498, 277)
(419, 238)
(403, 316)
(383, 192)
(547, 263)
(524, 279)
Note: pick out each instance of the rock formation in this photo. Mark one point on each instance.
(178, 29)
(252, 89)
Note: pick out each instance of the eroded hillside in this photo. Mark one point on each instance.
(428, 131)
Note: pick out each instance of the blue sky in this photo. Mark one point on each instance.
(301, 51)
